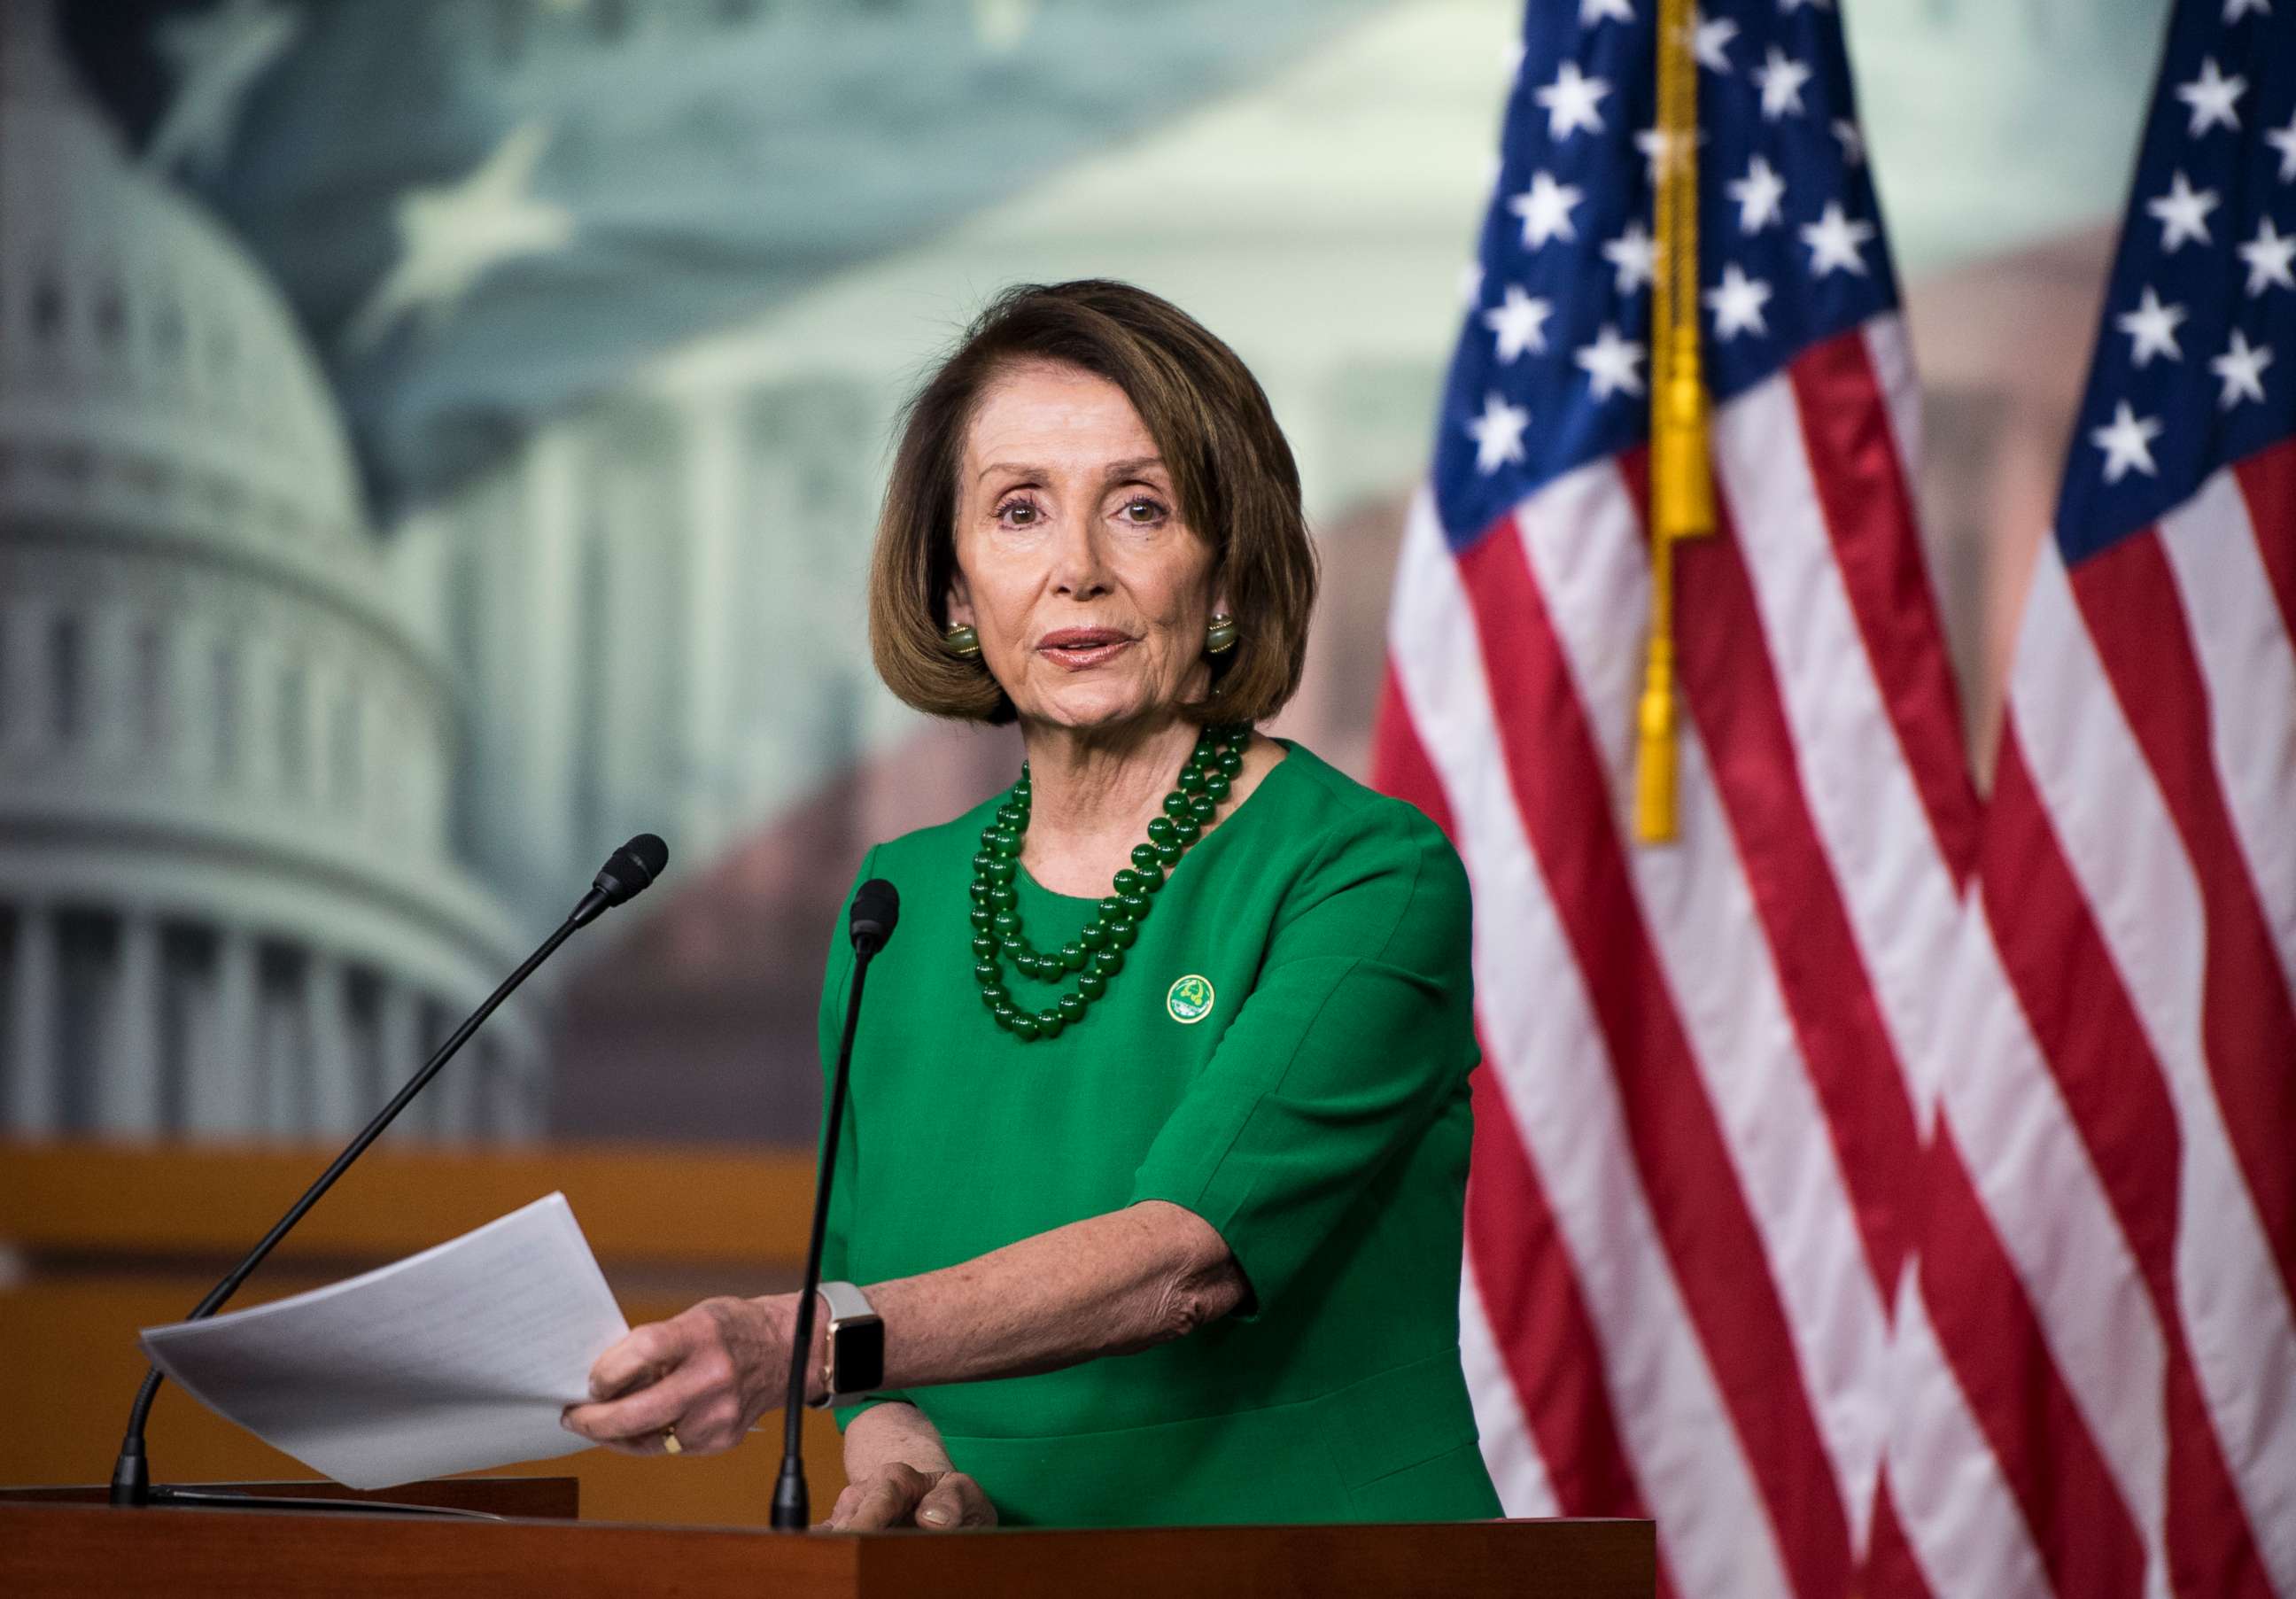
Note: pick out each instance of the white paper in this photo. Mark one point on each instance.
(456, 1359)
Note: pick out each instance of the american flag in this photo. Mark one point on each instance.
(1702, 1112)
(2097, 1368)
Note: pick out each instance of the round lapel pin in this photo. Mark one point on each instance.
(1190, 999)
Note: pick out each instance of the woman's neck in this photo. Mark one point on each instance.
(1093, 796)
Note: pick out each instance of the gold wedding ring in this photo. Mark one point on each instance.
(670, 1444)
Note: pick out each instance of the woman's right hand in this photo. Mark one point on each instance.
(899, 1495)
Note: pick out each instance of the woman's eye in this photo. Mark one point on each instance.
(1021, 511)
(1153, 509)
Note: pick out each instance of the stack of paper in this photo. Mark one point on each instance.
(456, 1359)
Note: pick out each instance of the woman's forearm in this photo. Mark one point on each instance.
(1107, 1286)
(892, 1434)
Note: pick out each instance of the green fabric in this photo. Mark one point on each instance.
(1317, 1116)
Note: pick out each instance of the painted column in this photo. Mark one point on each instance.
(504, 1089)
(104, 692)
(526, 1082)
(334, 1097)
(255, 720)
(330, 784)
(219, 1086)
(220, 1097)
(401, 1048)
(533, 814)
(457, 1088)
(283, 1044)
(128, 1088)
(29, 720)
(714, 490)
(191, 695)
(32, 1107)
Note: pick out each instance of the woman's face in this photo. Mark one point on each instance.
(1090, 595)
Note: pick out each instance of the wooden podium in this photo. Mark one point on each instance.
(57, 1541)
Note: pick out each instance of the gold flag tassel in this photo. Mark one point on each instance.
(1681, 495)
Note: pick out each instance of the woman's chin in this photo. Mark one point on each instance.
(1084, 707)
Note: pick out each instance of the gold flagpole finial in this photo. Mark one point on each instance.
(1681, 492)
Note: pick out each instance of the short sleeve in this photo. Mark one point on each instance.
(837, 1231)
(1357, 1032)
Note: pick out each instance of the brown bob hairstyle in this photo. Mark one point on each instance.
(1232, 472)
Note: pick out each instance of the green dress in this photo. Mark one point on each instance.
(1284, 1053)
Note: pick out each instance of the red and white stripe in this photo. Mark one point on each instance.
(2106, 1273)
(1704, 1106)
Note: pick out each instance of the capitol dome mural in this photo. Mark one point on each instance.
(227, 906)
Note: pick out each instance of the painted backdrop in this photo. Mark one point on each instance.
(439, 439)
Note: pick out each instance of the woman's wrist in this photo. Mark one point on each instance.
(778, 1311)
(894, 1432)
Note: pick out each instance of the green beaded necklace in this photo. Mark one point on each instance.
(1097, 952)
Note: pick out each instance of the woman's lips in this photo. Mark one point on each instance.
(1077, 647)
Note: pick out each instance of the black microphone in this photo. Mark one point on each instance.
(625, 873)
(876, 909)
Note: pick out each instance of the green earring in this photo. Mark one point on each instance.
(961, 641)
(1220, 639)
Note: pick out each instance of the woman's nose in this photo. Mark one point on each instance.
(1080, 565)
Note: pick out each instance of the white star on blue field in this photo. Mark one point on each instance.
(486, 213)
(1551, 368)
(2192, 368)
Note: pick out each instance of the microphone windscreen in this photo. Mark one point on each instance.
(876, 907)
(650, 852)
(631, 869)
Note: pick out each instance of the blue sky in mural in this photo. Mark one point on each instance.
(485, 211)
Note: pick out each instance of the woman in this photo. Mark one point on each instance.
(1169, 1060)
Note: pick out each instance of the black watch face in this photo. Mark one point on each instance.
(860, 1356)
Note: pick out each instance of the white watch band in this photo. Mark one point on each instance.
(843, 1299)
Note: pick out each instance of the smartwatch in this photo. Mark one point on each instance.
(856, 1345)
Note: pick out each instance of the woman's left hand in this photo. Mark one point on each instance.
(710, 1373)
(899, 1495)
